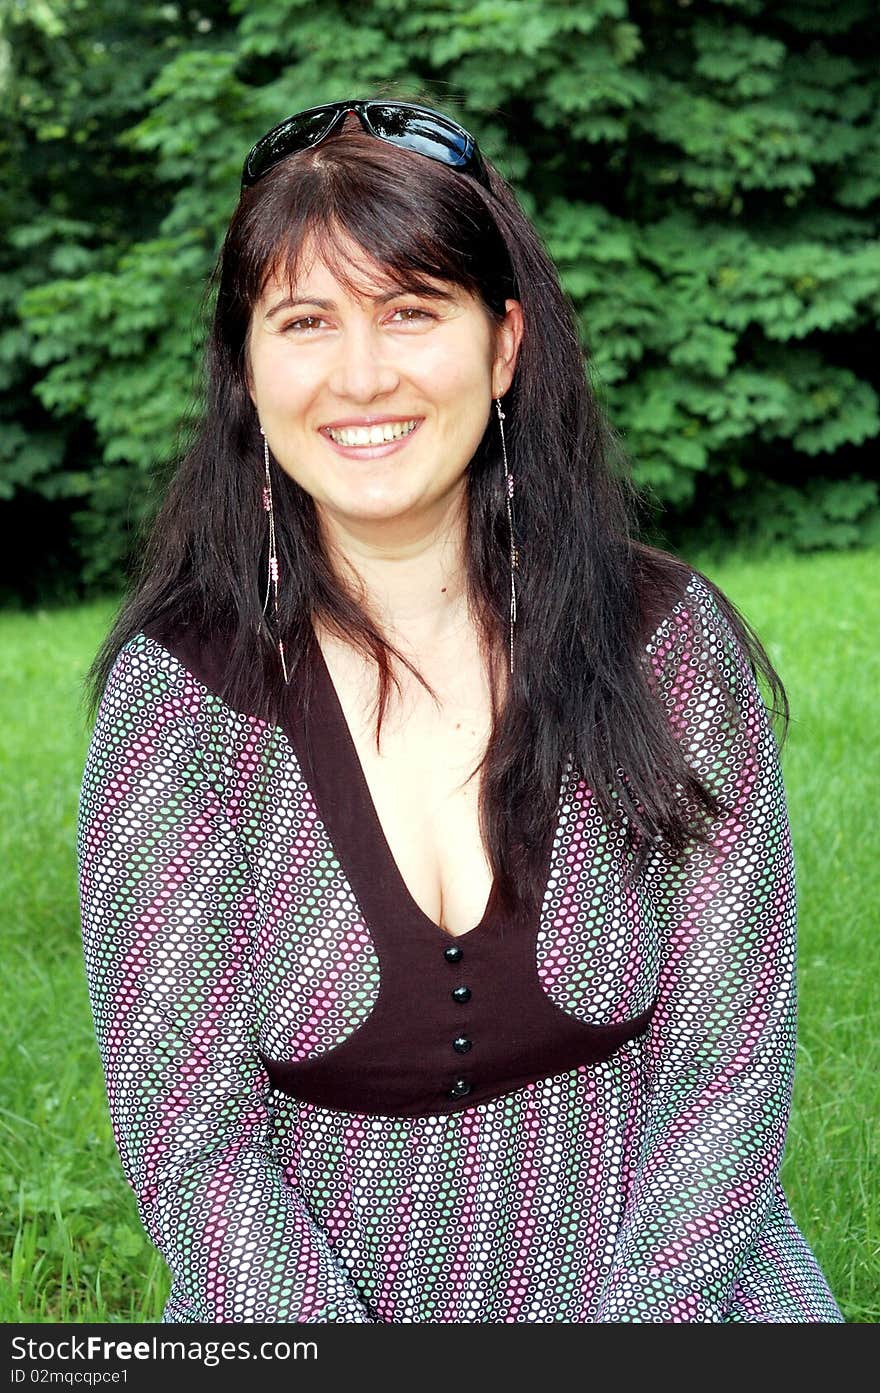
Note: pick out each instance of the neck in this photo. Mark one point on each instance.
(410, 572)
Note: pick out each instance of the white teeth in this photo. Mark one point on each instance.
(372, 435)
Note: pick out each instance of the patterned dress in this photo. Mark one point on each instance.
(332, 1111)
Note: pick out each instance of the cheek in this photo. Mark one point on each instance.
(276, 387)
(456, 375)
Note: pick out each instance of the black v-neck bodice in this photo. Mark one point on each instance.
(458, 1020)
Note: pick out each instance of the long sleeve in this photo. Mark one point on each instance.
(167, 907)
(720, 1049)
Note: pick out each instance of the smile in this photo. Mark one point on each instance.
(371, 435)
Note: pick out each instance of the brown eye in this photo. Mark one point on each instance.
(304, 325)
(414, 313)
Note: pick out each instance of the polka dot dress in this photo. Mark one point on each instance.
(319, 1126)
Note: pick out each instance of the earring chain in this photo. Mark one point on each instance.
(272, 579)
(508, 497)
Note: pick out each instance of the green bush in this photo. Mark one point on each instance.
(706, 176)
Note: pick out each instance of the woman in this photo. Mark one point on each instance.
(439, 916)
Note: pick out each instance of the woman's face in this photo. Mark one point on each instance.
(326, 367)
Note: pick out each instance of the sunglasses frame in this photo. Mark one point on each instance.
(471, 164)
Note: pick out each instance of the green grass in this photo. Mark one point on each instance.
(71, 1239)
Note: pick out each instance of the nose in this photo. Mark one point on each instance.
(362, 368)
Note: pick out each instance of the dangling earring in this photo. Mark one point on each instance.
(508, 495)
(273, 552)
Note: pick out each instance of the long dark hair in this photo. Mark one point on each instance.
(589, 591)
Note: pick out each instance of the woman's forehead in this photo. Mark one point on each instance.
(343, 267)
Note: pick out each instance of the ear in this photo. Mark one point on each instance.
(248, 369)
(508, 337)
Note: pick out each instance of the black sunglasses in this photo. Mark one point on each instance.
(416, 128)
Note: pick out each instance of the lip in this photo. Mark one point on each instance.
(388, 447)
(367, 421)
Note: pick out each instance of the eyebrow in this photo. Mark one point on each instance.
(290, 301)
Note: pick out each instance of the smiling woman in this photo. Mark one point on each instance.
(439, 922)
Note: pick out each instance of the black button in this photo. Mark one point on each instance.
(461, 994)
(453, 955)
(460, 1088)
(461, 1044)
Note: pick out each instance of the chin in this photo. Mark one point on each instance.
(380, 501)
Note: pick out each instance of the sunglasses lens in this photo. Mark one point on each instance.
(419, 131)
(296, 133)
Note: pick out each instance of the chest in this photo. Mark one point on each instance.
(423, 780)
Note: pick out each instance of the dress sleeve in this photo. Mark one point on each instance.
(720, 1048)
(167, 907)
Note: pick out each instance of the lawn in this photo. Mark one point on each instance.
(73, 1248)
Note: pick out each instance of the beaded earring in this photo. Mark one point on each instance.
(508, 497)
(272, 580)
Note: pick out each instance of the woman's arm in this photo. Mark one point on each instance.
(167, 908)
(720, 1051)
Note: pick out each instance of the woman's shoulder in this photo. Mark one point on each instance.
(693, 636)
(186, 646)
(178, 661)
(216, 665)
(675, 595)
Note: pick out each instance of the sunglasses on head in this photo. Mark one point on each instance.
(415, 128)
